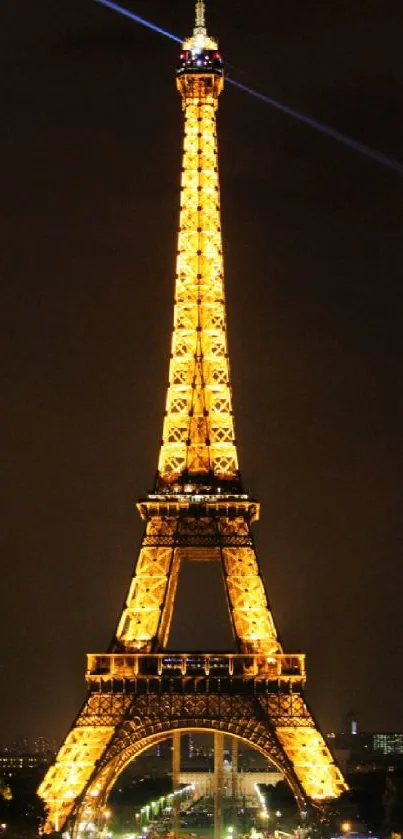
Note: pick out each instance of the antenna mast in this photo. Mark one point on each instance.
(200, 18)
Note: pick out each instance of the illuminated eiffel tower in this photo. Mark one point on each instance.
(138, 693)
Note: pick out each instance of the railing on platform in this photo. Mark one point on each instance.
(219, 665)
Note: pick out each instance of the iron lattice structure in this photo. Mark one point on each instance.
(138, 693)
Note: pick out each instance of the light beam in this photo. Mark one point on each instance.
(366, 151)
(373, 154)
(126, 13)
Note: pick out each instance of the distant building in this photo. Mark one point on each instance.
(359, 751)
(11, 762)
(388, 744)
(24, 757)
(246, 782)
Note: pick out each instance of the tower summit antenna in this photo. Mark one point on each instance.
(200, 18)
(200, 40)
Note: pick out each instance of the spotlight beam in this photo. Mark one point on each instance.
(126, 13)
(373, 154)
(366, 151)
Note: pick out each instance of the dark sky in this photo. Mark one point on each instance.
(89, 167)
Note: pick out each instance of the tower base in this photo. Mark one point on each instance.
(135, 701)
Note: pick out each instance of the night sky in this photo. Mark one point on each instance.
(89, 166)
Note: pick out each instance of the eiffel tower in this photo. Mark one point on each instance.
(139, 693)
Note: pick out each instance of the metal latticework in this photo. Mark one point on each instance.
(139, 693)
(198, 433)
(219, 532)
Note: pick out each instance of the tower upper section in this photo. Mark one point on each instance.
(200, 70)
(198, 446)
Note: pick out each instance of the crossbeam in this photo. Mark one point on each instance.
(206, 505)
(290, 667)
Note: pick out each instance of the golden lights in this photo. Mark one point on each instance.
(197, 468)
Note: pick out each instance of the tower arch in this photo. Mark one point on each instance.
(137, 738)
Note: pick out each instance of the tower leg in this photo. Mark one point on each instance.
(218, 783)
(234, 779)
(176, 768)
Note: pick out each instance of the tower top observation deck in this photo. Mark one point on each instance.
(200, 58)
